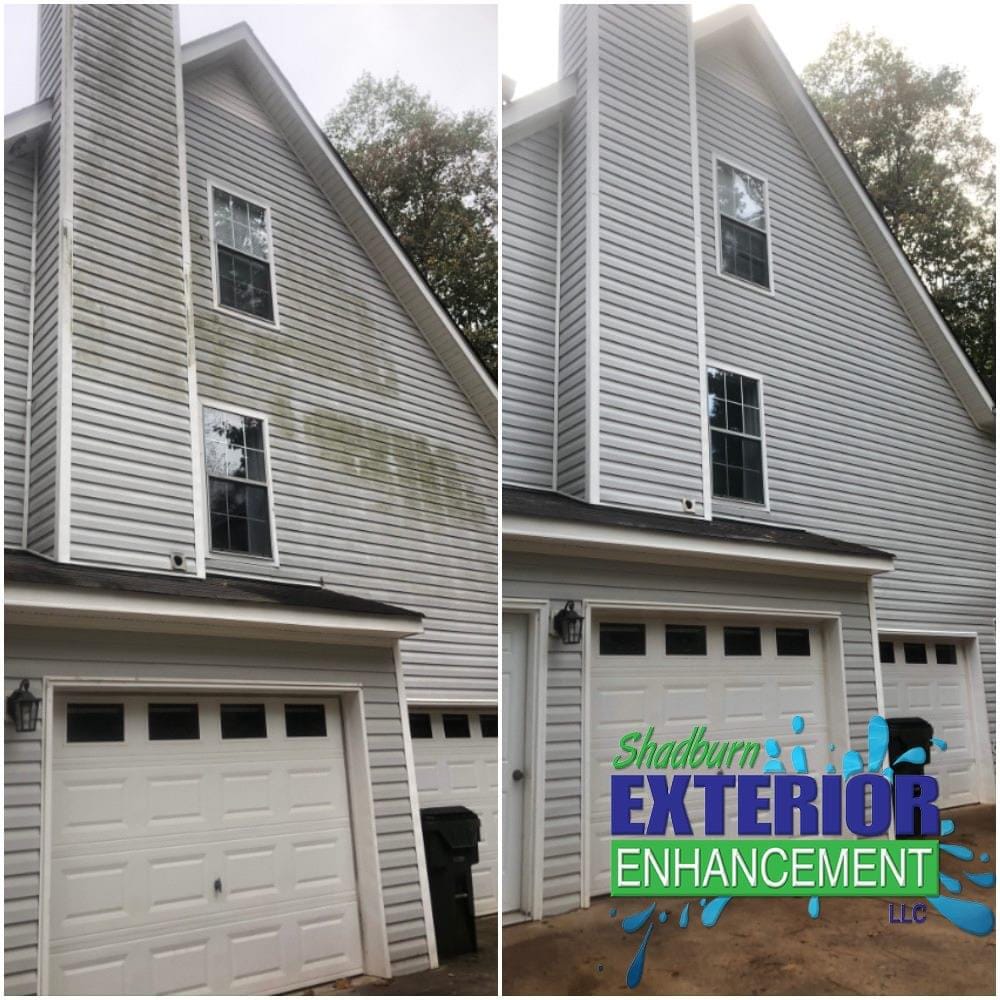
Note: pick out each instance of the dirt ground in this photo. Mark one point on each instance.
(766, 946)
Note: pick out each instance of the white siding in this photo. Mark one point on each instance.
(530, 226)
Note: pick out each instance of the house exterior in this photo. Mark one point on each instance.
(736, 435)
(250, 528)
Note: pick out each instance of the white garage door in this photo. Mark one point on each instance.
(199, 845)
(749, 692)
(455, 755)
(927, 678)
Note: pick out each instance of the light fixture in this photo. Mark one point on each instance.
(22, 707)
(568, 624)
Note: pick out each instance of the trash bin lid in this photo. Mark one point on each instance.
(457, 825)
(911, 724)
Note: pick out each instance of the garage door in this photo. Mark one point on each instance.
(199, 845)
(743, 680)
(455, 755)
(927, 678)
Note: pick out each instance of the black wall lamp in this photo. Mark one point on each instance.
(568, 624)
(22, 707)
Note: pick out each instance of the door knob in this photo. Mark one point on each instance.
(518, 774)
(217, 885)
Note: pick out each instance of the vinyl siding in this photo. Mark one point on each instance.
(650, 418)
(866, 440)
(539, 578)
(34, 653)
(132, 495)
(384, 474)
(530, 273)
(18, 236)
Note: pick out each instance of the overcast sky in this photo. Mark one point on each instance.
(446, 50)
(959, 33)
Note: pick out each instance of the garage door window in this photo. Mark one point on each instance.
(456, 726)
(946, 653)
(420, 726)
(742, 641)
(686, 640)
(914, 652)
(243, 722)
(886, 651)
(173, 722)
(792, 641)
(488, 726)
(623, 639)
(93, 723)
(305, 720)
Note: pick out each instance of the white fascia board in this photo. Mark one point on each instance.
(537, 110)
(35, 604)
(276, 96)
(745, 24)
(26, 123)
(521, 533)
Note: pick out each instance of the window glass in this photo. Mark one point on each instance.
(456, 726)
(792, 641)
(914, 652)
(741, 641)
(736, 436)
(886, 651)
(88, 722)
(622, 639)
(488, 725)
(305, 720)
(243, 255)
(173, 722)
(743, 249)
(946, 652)
(243, 722)
(420, 725)
(686, 640)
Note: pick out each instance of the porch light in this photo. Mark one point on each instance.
(22, 707)
(568, 624)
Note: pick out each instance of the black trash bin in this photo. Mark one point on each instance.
(451, 842)
(904, 734)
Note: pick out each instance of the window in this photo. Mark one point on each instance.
(741, 641)
(456, 727)
(886, 651)
(305, 720)
(625, 639)
(420, 725)
(736, 424)
(243, 266)
(92, 723)
(173, 722)
(792, 641)
(243, 722)
(239, 506)
(743, 227)
(488, 726)
(686, 640)
(914, 652)
(947, 652)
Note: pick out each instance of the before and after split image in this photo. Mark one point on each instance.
(499, 499)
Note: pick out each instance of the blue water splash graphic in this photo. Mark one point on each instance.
(683, 921)
(833, 746)
(985, 880)
(984, 857)
(830, 769)
(915, 755)
(710, 915)
(878, 742)
(965, 914)
(948, 826)
(632, 923)
(614, 913)
(939, 743)
(634, 974)
(663, 916)
(798, 724)
(951, 884)
(799, 761)
(703, 901)
(814, 907)
(957, 851)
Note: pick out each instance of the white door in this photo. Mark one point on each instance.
(933, 686)
(455, 756)
(741, 694)
(515, 662)
(199, 845)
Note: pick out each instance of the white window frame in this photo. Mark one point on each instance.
(730, 161)
(243, 411)
(235, 191)
(750, 505)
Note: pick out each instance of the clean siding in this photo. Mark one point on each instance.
(384, 474)
(866, 439)
(540, 578)
(18, 238)
(35, 653)
(531, 229)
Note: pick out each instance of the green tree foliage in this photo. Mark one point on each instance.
(917, 144)
(433, 176)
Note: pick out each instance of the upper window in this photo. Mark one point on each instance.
(237, 483)
(243, 264)
(734, 417)
(743, 228)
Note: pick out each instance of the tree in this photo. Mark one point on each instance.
(917, 144)
(433, 176)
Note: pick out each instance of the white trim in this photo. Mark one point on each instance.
(224, 554)
(916, 632)
(234, 191)
(371, 908)
(527, 115)
(759, 379)
(200, 508)
(586, 652)
(425, 701)
(558, 310)
(418, 830)
(873, 620)
(29, 387)
(592, 285)
(26, 122)
(757, 175)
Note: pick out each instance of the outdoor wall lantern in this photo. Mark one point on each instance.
(568, 624)
(22, 707)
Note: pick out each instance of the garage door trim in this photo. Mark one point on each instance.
(832, 631)
(374, 935)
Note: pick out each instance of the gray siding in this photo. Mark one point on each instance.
(384, 474)
(650, 386)
(530, 288)
(540, 578)
(132, 495)
(866, 440)
(35, 653)
(18, 240)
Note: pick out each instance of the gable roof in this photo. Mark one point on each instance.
(240, 46)
(743, 26)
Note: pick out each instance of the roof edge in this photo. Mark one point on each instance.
(25, 124)
(539, 109)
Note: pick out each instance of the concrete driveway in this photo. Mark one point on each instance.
(766, 946)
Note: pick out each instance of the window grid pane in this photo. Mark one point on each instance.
(744, 252)
(735, 422)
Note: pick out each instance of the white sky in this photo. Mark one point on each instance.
(958, 33)
(446, 50)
